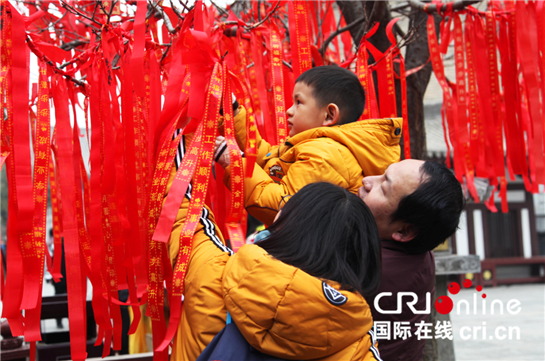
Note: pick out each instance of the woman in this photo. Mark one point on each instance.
(298, 293)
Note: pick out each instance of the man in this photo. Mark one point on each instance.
(417, 206)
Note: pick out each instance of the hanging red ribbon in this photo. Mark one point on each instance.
(300, 44)
(76, 294)
(278, 87)
(365, 76)
(236, 236)
(200, 185)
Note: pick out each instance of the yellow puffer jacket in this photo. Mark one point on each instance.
(284, 312)
(204, 313)
(280, 310)
(341, 155)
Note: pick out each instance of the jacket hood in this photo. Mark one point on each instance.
(287, 313)
(365, 139)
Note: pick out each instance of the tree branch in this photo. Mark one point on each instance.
(264, 19)
(165, 17)
(339, 31)
(48, 61)
(109, 13)
(176, 11)
(432, 8)
(222, 11)
(77, 12)
(399, 7)
(73, 44)
(185, 6)
(398, 30)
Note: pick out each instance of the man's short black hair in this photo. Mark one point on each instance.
(434, 208)
(333, 84)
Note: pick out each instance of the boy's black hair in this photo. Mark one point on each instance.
(329, 233)
(333, 84)
(434, 208)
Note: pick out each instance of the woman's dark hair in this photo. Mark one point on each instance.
(329, 233)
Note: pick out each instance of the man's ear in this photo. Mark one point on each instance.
(333, 115)
(405, 234)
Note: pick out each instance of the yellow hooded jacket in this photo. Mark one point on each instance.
(341, 155)
(280, 310)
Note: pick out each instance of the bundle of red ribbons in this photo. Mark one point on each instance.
(138, 78)
(492, 110)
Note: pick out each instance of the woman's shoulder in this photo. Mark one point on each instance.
(278, 304)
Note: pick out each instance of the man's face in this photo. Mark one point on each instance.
(305, 113)
(383, 193)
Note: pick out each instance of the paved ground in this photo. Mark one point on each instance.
(530, 320)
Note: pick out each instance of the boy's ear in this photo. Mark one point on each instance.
(333, 115)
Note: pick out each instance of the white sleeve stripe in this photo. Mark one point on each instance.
(373, 349)
(208, 226)
(210, 231)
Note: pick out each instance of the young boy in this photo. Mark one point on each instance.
(326, 142)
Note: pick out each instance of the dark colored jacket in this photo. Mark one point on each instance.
(403, 272)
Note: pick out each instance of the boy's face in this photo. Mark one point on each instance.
(305, 113)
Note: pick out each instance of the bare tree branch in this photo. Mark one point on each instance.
(176, 11)
(222, 11)
(77, 12)
(339, 31)
(56, 69)
(73, 44)
(432, 8)
(320, 35)
(398, 30)
(165, 17)
(109, 13)
(185, 6)
(399, 7)
(266, 17)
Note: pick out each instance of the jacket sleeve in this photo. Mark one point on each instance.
(367, 348)
(263, 147)
(262, 195)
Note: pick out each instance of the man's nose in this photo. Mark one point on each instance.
(369, 181)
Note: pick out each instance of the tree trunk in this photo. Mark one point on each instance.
(417, 54)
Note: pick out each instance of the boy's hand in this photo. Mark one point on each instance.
(221, 153)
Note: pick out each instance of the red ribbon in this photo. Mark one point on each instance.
(257, 56)
(137, 59)
(448, 101)
(14, 274)
(76, 291)
(497, 142)
(513, 127)
(461, 105)
(278, 87)
(477, 143)
(158, 257)
(200, 185)
(365, 76)
(41, 168)
(300, 43)
(250, 151)
(527, 43)
(236, 236)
